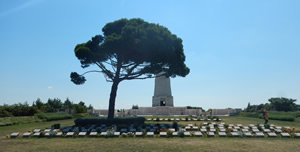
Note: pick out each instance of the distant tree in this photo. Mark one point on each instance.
(131, 49)
(90, 107)
(39, 103)
(68, 105)
(55, 103)
(283, 104)
(82, 103)
(79, 108)
(135, 107)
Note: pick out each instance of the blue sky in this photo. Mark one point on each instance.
(238, 51)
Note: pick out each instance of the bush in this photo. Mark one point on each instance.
(181, 133)
(117, 121)
(169, 134)
(56, 126)
(282, 118)
(175, 126)
(53, 116)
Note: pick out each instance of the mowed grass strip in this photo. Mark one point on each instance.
(146, 144)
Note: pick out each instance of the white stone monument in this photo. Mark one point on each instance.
(162, 92)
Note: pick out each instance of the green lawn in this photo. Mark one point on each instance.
(147, 144)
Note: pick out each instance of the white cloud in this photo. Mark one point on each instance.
(19, 7)
(50, 87)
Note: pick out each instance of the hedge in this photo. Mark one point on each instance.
(117, 121)
(53, 116)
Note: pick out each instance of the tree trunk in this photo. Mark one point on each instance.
(112, 99)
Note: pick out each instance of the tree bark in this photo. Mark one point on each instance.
(112, 99)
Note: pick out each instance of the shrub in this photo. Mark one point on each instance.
(56, 126)
(282, 118)
(267, 126)
(53, 116)
(175, 125)
(169, 133)
(117, 121)
(181, 133)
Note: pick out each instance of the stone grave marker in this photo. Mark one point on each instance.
(93, 134)
(138, 134)
(175, 134)
(116, 134)
(36, 134)
(82, 134)
(266, 130)
(47, 134)
(222, 134)
(234, 134)
(210, 134)
(58, 134)
(212, 130)
(172, 129)
(247, 134)
(27, 134)
(222, 130)
(150, 134)
(103, 134)
(163, 134)
(285, 135)
(70, 134)
(259, 134)
(297, 135)
(198, 134)
(14, 135)
(195, 128)
(203, 130)
(187, 134)
(272, 134)
(278, 130)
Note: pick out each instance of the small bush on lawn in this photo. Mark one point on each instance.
(181, 133)
(53, 116)
(175, 125)
(169, 133)
(117, 121)
(267, 126)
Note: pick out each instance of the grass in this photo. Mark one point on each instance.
(53, 116)
(146, 144)
(274, 115)
(7, 121)
(30, 126)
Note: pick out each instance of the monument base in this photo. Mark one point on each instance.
(162, 101)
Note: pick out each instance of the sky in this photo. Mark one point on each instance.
(238, 51)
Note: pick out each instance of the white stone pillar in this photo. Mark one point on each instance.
(162, 92)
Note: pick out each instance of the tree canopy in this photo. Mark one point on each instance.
(131, 49)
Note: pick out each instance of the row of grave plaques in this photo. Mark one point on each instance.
(161, 134)
(181, 119)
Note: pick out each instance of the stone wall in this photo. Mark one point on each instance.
(166, 110)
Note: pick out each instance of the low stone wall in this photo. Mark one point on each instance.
(164, 111)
